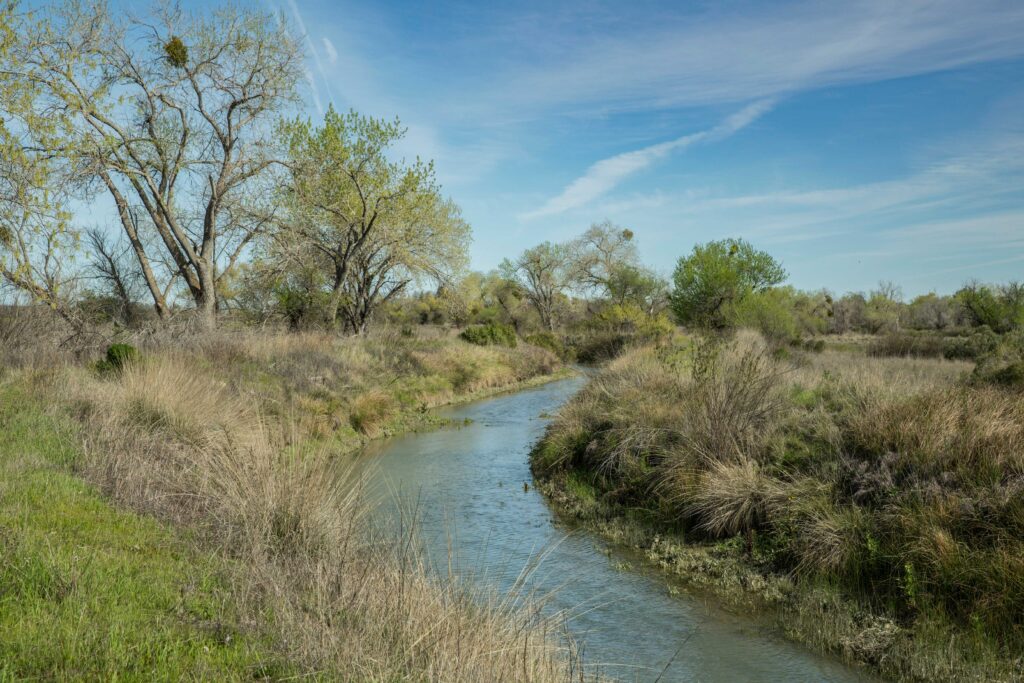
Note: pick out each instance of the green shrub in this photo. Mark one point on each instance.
(772, 313)
(117, 357)
(490, 334)
(615, 328)
(973, 347)
(547, 340)
(903, 345)
(1003, 365)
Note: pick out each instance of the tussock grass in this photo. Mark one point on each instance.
(896, 482)
(343, 390)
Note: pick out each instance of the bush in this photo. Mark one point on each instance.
(903, 345)
(979, 344)
(117, 357)
(618, 327)
(547, 340)
(490, 335)
(1003, 365)
(771, 313)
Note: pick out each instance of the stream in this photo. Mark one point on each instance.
(466, 486)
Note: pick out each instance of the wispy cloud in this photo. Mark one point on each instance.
(724, 56)
(317, 62)
(332, 53)
(604, 175)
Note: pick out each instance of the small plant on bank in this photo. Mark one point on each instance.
(492, 334)
(548, 340)
(117, 357)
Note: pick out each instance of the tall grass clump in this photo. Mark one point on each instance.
(166, 438)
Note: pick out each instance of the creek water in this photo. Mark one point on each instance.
(466, 487)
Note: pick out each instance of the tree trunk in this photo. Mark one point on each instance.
(206, 297)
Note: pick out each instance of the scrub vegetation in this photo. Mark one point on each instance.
(890, 486)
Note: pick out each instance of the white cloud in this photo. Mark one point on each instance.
(314, 85)
(604, 175)
(722, 56)
(332, 54)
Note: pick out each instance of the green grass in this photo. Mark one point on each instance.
(91, 592)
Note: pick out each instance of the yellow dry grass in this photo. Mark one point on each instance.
(167, 438)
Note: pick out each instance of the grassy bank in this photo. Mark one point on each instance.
(874, 503)
(230, 533)
(341, 391)
(89, 591)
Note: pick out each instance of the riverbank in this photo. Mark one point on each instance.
(223, 452)
(768, 484)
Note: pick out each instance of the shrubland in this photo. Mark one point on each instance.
(876, 501)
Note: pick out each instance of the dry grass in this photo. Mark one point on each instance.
(895, 479)
(894, 375)
(167, 438)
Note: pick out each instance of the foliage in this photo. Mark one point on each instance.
(118, 356)
(177, 53)
(169, 113)
(770, 312)
(1003, 364)
(716, 275)
(1000, 308)
(492, 333)
(549, 341)
(37, 241)
(972, 346)
(372, 226)
(613, 328)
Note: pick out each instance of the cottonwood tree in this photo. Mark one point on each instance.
(374, 224)
(170, 115)
(37, 241)
(600, 252)
(428, 241)
(544, 274)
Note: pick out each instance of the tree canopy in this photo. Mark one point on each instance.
(170, 114)
(369, 225)
(716, 275)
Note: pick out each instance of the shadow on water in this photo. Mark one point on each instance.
(473, 510)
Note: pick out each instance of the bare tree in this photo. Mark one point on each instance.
(602, 251)
(544, 274)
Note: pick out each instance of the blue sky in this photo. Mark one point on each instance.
(856, 141)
